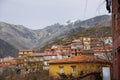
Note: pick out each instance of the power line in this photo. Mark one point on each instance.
(99, 7)
(85, 9)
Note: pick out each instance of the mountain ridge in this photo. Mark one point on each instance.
(24, 38)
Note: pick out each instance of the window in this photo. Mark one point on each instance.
(73, 69)
(61, 69)
(75, 54)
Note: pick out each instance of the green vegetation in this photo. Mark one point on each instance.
(90, 32)
(64, 76)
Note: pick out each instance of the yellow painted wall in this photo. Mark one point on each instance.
(86, 41)
(20, 52)
(85, 67)
(25, 52)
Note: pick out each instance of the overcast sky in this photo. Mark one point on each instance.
(37, 14)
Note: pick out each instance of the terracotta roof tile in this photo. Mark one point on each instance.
(9, 61)
(19, 58)
(103, 49)
(4, 65)
(80, 58)
(24, 50)
(36, 54)
(50, 54)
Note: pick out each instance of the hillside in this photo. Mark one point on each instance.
(23, 38)
(98, 31)
(7, 50)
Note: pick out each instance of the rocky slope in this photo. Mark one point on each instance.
(7, 50)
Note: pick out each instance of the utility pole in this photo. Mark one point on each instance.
(115, 71)
(116, 39)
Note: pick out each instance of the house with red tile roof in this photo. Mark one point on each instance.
(104, 52)
(25, 52)
(77, 66)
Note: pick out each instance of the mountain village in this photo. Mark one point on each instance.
(81, 58)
